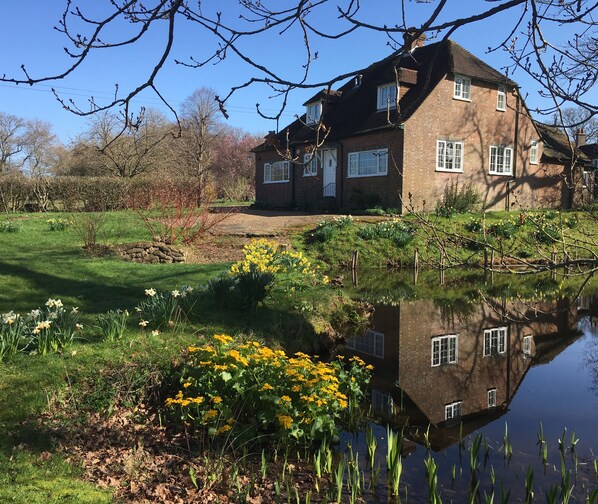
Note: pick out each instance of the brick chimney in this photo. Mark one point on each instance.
(580, 138)
(412, 40)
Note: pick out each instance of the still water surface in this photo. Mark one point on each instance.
(466, 367)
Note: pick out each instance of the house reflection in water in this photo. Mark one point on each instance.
(441, 366)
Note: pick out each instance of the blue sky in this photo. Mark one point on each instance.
(27, 36)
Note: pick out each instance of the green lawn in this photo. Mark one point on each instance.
(37, 264)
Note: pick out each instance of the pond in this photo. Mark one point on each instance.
(516, 369)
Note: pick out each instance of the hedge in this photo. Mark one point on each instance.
(19, 193)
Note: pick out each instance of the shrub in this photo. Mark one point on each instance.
(396, 231)
(175, 210)
(9, 227)
(250, 391)
(380, 211)
(457, 199)
(88, 226)
(112, 324)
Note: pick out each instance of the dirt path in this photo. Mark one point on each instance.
(266, 223)
(225, 241)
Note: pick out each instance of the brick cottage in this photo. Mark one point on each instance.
(407, 127)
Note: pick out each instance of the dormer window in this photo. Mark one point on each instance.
(387, 96)
(462, 87)
(313, 112)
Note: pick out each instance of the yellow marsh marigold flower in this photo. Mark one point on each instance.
(196, 400)
(210, 414)
(266, 386)
(223, 338)
(285, 420)
(238, 357)
(186, 384)
(217, 400)
(285, 398)
(223, 429)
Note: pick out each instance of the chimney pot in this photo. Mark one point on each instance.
(580, 138)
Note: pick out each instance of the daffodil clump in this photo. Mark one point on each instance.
(57, 224)
(265, 256)
(43, 330)
(265, 266)
(161, 310)
(254, 390)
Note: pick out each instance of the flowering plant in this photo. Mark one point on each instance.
(266, 263)
(12, 333)
(163, 309)
(57, 224)
(252, 390)
(53, 327)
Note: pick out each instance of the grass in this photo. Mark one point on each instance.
(36, 264)
(462, 238)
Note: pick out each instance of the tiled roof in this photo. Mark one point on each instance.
(351, 109)
(557, 146)
(590, 150)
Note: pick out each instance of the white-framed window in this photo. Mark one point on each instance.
(310, 164)
(313, 112)
(382, 402)
(462, 87)
(444, 350)
(275, 173)
(449, 156)
(491, 398)
(527, 345)
(533, 152)
(587, 177)
(495, 341)
(501, 98)
(371, 343)
(501, 160)
(387, 96)
(368, 163)
(452, 411)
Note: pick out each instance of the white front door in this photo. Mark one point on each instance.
(329, 172)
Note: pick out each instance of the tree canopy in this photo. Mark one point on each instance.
(553, 41)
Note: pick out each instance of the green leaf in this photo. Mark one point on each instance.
(225, 375)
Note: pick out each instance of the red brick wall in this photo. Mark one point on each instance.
(275, 195)
(387, 188)
(478, 125)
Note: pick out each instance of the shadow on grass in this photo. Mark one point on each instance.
(94, 287)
